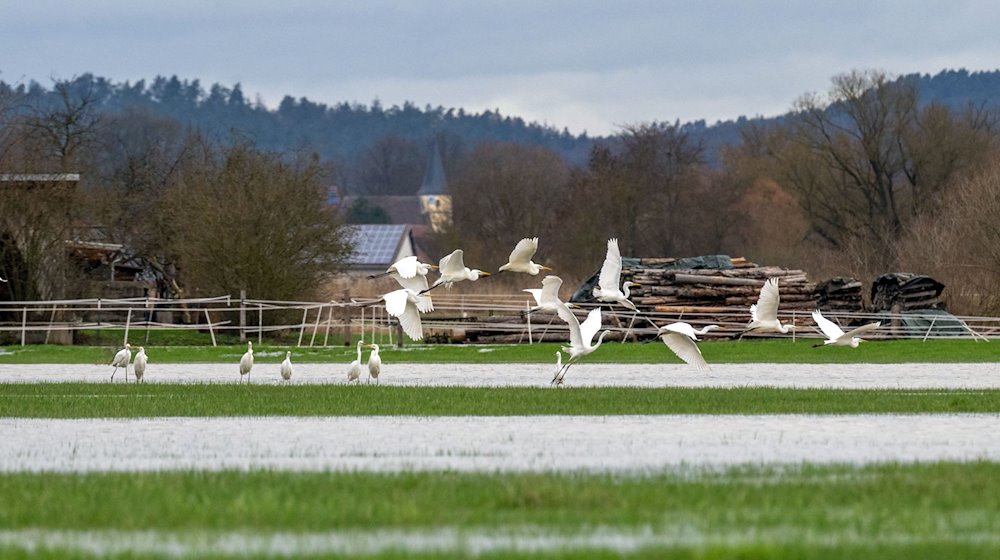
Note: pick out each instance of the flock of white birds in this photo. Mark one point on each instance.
(412, 299)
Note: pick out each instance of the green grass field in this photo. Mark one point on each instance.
(940, 510)
(90, 400)
(746, 351)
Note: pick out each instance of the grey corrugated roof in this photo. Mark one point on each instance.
(376, 244)
(434, 181)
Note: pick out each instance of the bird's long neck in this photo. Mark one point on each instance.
(359, 353)
(600, 339)
(625, 290)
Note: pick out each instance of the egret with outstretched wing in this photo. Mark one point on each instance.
(581, 337)
(836, 335)
(452, 268)
(680, 338)
(607, 289)
(406, 306)
(520, 258)
(764, 313)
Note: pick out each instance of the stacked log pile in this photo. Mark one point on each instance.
(902, 291)
(711, 290)
(839, 294)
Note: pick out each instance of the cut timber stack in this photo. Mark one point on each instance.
(904, 291)
(839, 294)
(710, 290)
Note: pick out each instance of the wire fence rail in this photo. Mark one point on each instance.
(492, 318)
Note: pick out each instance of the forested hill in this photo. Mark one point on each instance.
(345, 132)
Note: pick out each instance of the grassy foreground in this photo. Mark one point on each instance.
(746, 351)
(89, 400)
(939, 510)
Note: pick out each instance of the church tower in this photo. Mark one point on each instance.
(435, 202)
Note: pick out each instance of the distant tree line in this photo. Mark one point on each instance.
(872, 176)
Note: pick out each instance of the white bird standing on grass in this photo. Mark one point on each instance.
(286, 366)
(406, 305)
(121, 359)
(607, 289)
(520, 258)
(558, 379)
(452, 268)
(374, 363)
(682, 339)
(354, 372)
(836, 335)
(581, 337)
(246, 362)
(139, 365)
(764, 313)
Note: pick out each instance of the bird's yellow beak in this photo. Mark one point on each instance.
(434, 266)
(484, 273)
(545, 268)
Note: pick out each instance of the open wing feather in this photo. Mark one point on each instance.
(452, 264)
(830, 329)
(611, 272)
(566, 314)
(767, 303)
(406, 267)
(863, 329)
(524, 250)
(550, 290)
(416, 283)
(685, 348)
(591, 325)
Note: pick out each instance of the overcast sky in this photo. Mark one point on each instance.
(585, 65)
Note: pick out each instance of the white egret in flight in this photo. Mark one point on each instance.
(607, 289)
(121, 359)
(836, 335)
(547, 297)
(581, 336)
(764, 313)
(286, 366)
(407, 305)
(682, 338)
(246, 362)
(139, 364)
(407, 267)
(520, 258)
(354, 373)
(452, 268)
(374, 363)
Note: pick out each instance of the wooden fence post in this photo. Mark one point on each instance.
(243, 316)
(347, 318)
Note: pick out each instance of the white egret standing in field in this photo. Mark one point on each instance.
(121, 359)
(681, 338)
(581, 337)
(139, 365)
(607, 289)
(558, 379)
(246, 362)
(407, 267)
(406, 305)
(354, 373)
(374, 363)
(286, 366)
(836, 335)
(452, 268)
(764, 313)
(520, 258)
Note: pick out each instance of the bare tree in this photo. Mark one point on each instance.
(241, 218)
(392, 165)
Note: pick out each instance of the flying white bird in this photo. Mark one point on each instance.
(407, 267)
(374, 363)
(520, 258)
(246, 362)
(764, 313)
(607, 289)
(547, 297)
(407, 305)
(354, 372)
(286, 366)
(836, 335)
(121, 359)
(681, 338)
(139, 365)
(581, 337)
(452, 268)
